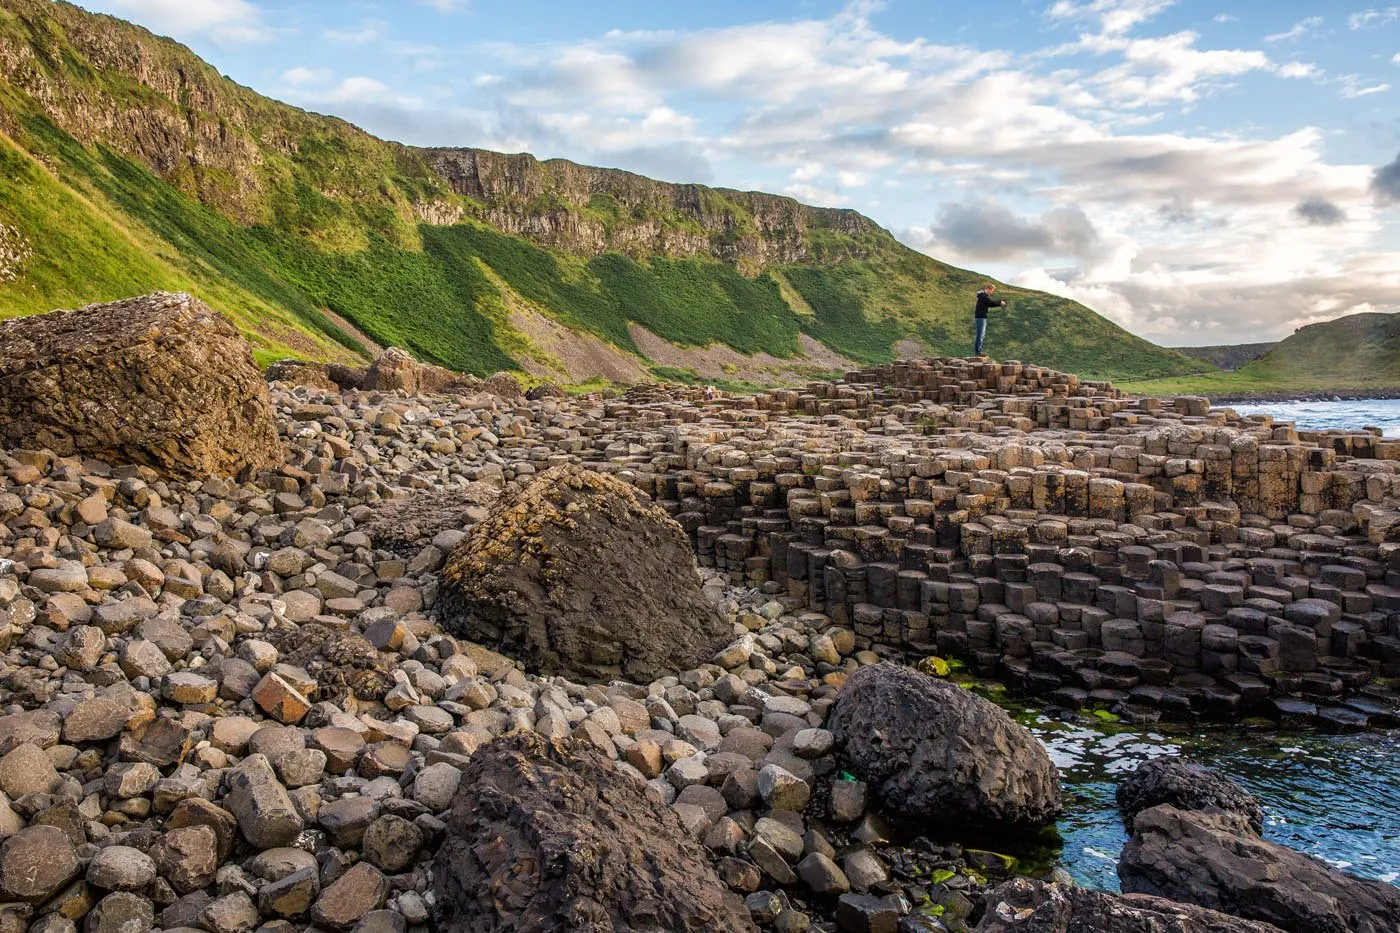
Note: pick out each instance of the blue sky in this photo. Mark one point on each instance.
(1200, 171)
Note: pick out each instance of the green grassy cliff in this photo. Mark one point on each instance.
(130, 165)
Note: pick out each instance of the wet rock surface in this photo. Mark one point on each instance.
(553, 836)
(1215, 860)
(577, 573)
(1025, 906)
(1185, 785)
(935, 754)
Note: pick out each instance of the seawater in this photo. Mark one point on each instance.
(1333, 797)
(1381, 413)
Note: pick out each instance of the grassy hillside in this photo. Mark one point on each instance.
(1359, 351)
(1229, 356)
(129, 165)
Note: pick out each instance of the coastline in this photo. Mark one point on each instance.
(1302, 395)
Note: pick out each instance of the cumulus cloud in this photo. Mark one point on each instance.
(1385, 184)
(992, 231)
(227, 21)
(1319, 212)
(1299, 70)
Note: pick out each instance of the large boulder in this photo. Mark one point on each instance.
(580, 574)
(301, 373)
(1025, 906)
(161, 381)
(397, 371)
(1186, 786)
(552, 836)
(1214, 859)
(935, 754)
(502, 384)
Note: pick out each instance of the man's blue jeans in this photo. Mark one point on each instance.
(981, 334)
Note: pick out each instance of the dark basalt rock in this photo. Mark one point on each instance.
(1187, 786)
(552, 836)
(578, 573)
(1216, 861)
(936, 754)
(1025, 906)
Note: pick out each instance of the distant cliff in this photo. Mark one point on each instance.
(1230, 356)
(591, 211)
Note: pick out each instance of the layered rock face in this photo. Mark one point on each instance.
(736, 226)
(578, 573)
(936, 755)
(549, 836)
(1215, 860)
(1026, 906)
(395, 370)
(161, 381)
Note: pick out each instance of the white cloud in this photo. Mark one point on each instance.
(1114, 16)
(1299, 70)
(447, 6)
(301, 76)
(229, 21)
(1368, 19)
(1300, 29)
(1224, 18)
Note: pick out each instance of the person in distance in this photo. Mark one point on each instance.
(985, 301)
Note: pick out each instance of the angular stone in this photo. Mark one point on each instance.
(350, 897)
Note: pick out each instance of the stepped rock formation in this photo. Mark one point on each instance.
(548, 836)
(578, 573)
(937, 756)
(1025, 906)
(1151, 556)
(1215, 860)
(161, 381)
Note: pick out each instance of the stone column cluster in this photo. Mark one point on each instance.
(1144, 555)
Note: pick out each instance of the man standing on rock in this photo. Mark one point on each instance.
(985, 301)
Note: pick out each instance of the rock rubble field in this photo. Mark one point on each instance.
(440, 656)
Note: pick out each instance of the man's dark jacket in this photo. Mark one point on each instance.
(985, 301)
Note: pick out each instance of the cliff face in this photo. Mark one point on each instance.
(590, 211)
(238, 153)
